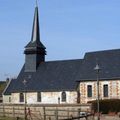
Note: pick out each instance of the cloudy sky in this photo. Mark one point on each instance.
(68, 28)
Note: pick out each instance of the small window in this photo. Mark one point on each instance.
(21, 97)
(78, 97)
(39, 96)
(63, 96)
(9, 99)
(105, 90)
(89, 90)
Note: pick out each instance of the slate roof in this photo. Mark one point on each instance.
(63, 75)
(50, 76)
(109, 63)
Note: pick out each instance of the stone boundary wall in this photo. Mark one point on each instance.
(44, 111)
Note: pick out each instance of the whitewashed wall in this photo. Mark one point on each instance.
(6, 98)
(46, 97)
(52, 97)
(113, 90)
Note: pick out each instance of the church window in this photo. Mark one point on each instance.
(21, 97)
(63, 96)
(39, 96)
(9, 99)
(105, 90)
(78, 97)
(89, 90)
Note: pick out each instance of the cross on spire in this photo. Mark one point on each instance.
(36, 3)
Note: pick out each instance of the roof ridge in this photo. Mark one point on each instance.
(103, 51)
(64, 60)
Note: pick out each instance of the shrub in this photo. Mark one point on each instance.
(107, 105)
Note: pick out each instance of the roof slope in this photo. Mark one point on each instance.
(109, 62)
(62, 75)
(50, 76)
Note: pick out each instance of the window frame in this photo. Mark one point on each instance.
(63, 96)
(39, 98)
(21, 97)
(105, 90)
(10, 99)
(89, 91)
(78, 96)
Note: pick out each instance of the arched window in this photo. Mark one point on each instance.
(21, 97)
(89, 91)
(63, 96)
(39, 96)
(78, 97)
(105, 90)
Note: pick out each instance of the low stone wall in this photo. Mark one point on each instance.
(44, 112)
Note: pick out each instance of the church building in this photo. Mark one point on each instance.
(64, 81)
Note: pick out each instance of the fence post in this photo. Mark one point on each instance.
(3, 110)
(79, 110)
(49, 118)
(68, 113)
(13, 112)
(56, 114)
(71, 117)
(44, 113)
(86, 117)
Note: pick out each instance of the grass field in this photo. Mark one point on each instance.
(8, 118)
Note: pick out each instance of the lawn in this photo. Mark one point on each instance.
(8, 118)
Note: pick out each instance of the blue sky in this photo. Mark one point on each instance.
(68, 28)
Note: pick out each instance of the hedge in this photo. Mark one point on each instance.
(107, 105)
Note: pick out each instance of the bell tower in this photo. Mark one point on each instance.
(34, 51)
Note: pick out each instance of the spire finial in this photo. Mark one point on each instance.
(36, 3)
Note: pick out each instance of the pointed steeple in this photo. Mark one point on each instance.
(34, 50)
(36, 3)
(35, 38)
(35, 32)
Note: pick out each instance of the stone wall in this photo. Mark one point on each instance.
(113, 90)
(46, 98)
(6, 98)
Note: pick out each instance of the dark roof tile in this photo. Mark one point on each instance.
(62, 75)
(50, 76)
(108, 60)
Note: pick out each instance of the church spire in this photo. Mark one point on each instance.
(36, 3)
(34, 50)
(35, 38)
(35, 31)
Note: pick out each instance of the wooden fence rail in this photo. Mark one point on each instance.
(45, 112)
(79, 117)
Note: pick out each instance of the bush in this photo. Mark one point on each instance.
(107, 105)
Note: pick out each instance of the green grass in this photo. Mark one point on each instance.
(8, 118)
